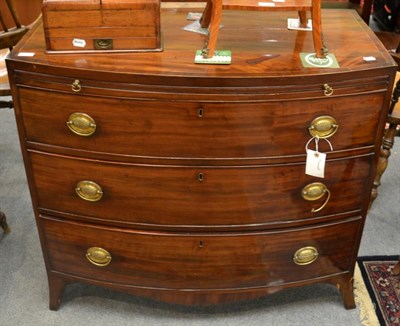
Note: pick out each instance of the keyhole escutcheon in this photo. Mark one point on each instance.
(200, 176)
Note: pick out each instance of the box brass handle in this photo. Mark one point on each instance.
(323, 126)
(315, 191)
(89, 190)
(81, 124)
(328, 90)
(103, 44)
(76, 86)
(305, 255)
(98, 256)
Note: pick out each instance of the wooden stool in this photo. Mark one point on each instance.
(212, 14)
(3, 223)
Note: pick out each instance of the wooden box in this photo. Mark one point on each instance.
(102, 25)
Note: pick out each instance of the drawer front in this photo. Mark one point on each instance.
(197, 130)
(196, 196)
(102, 43)
(199, 261)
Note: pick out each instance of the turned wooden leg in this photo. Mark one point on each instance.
(206, 16)
(213, 31)
(3, 223)
(387, 143)
(56, 289)
(345, 285)
(303, 18)
(319, 47)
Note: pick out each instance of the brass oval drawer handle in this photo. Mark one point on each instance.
(305, 255)
(324, 126)
(76, 86)
(315, 191)
(81, 124)
(328, 90)
(89, 190)
(98, 256)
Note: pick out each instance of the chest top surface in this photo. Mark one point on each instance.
(261, 44)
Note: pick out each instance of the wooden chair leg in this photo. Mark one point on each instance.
(303, 18)
(213, 30)
(206, 16)
(3, 223)
(387, 144)
(319, 47)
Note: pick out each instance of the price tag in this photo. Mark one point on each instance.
(219, 58)
(266, 4)
(79, 43)
(26, 54)
(315, 164)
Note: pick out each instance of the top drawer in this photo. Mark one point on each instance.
(195, 130)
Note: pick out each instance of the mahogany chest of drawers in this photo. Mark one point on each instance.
(186, 183)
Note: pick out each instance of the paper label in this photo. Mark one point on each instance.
(26, 54)
(194, 15)
(369, 59)
(311, 60)
(220, 57)
(294, 24)
(266, 4)
(79, 43)
(315, 164)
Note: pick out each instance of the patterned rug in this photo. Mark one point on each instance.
(377, 290)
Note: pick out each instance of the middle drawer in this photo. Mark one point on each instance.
(181, 196)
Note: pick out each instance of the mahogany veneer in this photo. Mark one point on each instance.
(186, 183)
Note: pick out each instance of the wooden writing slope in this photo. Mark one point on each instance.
(212, 14)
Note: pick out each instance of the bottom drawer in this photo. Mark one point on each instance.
(161, 260)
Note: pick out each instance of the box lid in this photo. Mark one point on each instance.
(71, 5)
(128, 4)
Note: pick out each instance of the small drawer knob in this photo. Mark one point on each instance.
(89, 191)
(98, 256)
(76, 86)
(315, 191)
(81, 124)
(323, 127)
(305, 256)
(328, 90)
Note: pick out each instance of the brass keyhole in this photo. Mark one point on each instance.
(200, 112)
(200, 176)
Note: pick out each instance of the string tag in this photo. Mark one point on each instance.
(315, 163)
